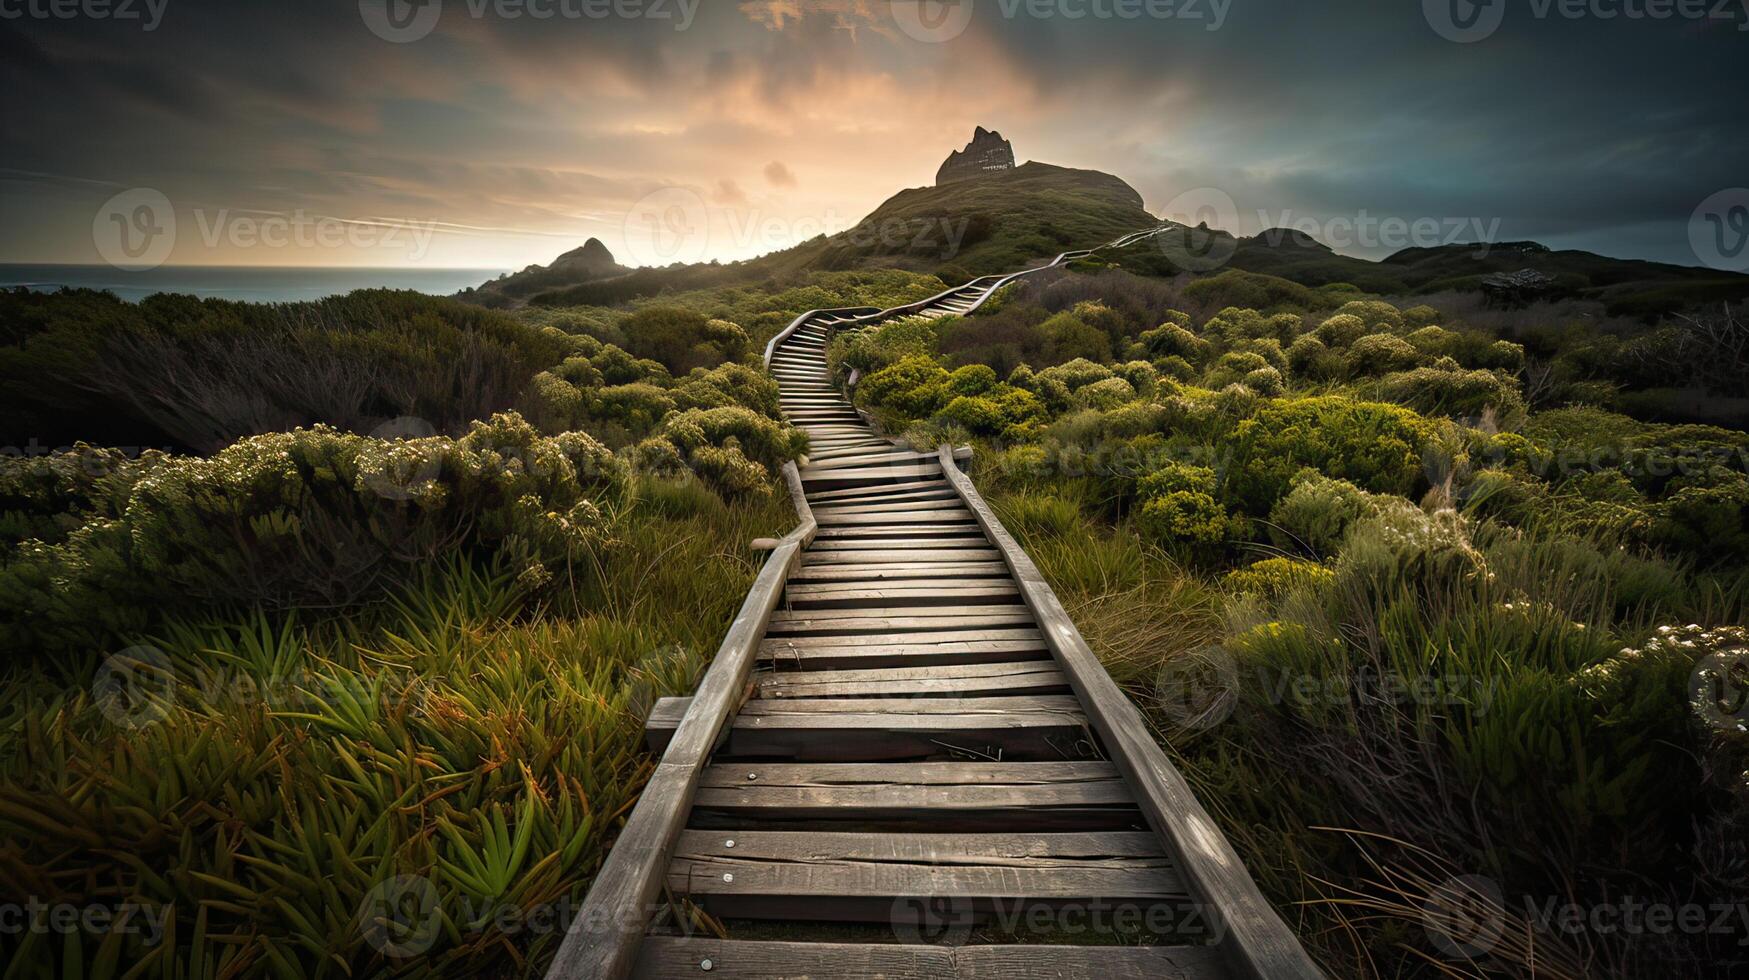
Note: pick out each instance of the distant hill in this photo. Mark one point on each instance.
(995, 222)
(1627, 286)
(589, 262)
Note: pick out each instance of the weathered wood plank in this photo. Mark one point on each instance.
(666, 958)
(1042, 849)
(965, 680)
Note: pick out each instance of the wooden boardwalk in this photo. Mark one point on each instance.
(904, 729)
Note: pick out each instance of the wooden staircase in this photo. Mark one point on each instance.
(909, 734)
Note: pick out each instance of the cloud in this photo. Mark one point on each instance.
(779, 175)
(729, 192)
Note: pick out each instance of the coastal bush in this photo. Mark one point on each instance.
(310, 518)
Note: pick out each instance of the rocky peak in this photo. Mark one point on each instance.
(591, 256)
(987, 153)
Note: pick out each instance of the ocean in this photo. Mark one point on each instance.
(253, 284)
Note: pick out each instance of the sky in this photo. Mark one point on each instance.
(499, 133)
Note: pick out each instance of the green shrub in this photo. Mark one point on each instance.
(973, 379)
(1276, 577)
(309, 518)
(735, 450)
(1376, 314)
(1175, 340)
(1341, 330)
(1376, 446)
(681, 339)
(1179, 507)
(1317, 513)
(1105, 395)
(1381, 353)
(914, 386)
(1266, 381)
(1462, 394)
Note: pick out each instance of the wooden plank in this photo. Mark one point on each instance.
(900, 571)
(965, 680)
(936, 516)
(877, 594)
(873, 473)
(875, 891)
(860, 555)
(666, 958)
(1041, 849)
(890, 728)
(820, 621)
(757, 711)
(1256, 940)
(1028, 633)
(888, 654)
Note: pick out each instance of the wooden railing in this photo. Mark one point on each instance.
(1254, 940)
(604, 937)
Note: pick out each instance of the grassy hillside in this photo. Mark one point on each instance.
(985, 225)
(1628, 287)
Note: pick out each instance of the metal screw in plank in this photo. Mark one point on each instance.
(705, 965)
(728, 877)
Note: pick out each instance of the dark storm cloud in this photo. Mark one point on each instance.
(1602, 133)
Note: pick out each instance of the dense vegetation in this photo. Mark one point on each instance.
(1405, 617)
(1415, 588)
(388, 639)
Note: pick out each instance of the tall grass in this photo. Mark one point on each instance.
(290, 796)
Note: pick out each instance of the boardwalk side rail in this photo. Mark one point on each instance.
(603, 939)
(1254, 940)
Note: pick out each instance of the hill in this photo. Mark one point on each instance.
(990, 223)
(589, 262)
(1630, 287)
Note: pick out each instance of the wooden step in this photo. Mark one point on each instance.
(953, 680)
(665, 958)
(1042, 727)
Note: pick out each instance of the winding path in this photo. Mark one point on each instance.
(904, 729)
